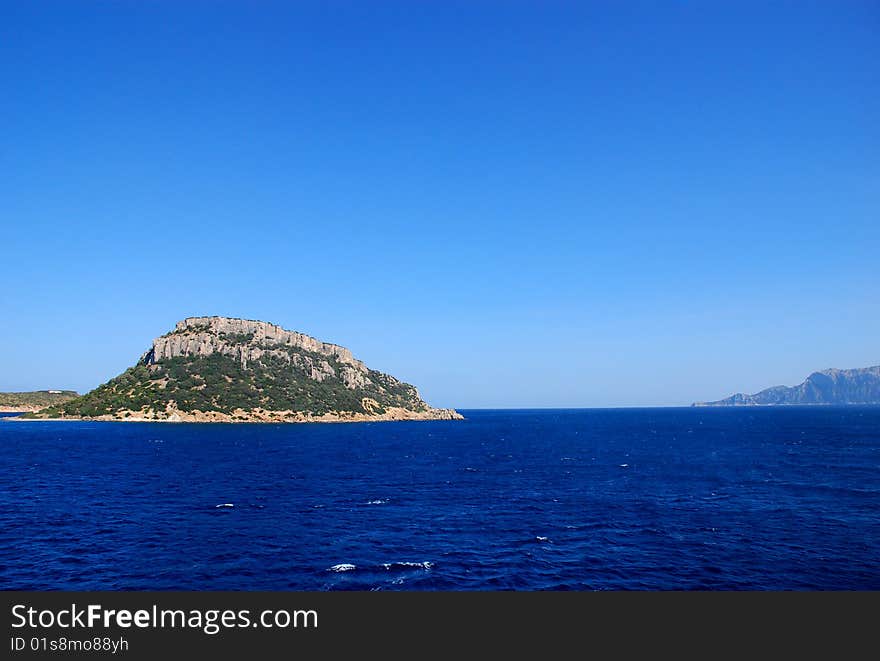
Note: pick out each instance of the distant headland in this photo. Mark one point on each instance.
(222, 369)
(19, 402)
(831, 386)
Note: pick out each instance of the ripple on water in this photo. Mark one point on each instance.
(599, 499)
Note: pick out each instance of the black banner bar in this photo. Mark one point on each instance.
(134, 625)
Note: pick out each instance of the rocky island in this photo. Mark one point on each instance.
(831, 386)
(222, 369)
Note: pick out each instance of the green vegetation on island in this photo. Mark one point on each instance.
(220, 383)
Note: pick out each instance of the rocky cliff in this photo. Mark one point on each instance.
(225, 370)
(831, 386)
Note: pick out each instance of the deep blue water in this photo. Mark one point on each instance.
(785, 498)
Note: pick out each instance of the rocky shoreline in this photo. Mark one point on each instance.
(391, 414)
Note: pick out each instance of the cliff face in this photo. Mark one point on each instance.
(247, 341)
(832, 386)
(224, 369)
(244, 338)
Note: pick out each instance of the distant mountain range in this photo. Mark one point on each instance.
(832, 386)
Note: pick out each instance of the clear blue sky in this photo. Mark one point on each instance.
(508, 204)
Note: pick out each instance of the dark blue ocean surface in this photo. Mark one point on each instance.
(785, 498)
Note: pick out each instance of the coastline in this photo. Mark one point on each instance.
(260, 416)
(713, 405)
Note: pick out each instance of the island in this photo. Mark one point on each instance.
(831, 386)
(22, 402)
(224, 369)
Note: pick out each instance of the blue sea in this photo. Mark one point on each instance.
(601, 499)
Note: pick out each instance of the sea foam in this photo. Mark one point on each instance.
(408, 565)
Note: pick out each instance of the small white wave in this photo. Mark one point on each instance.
(343, 566)
(225, 505)
(408, 565)
(542, 539)
(624, 465)
(376, 502)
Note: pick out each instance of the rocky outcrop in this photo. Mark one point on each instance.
(831, 386)
(243, 338)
